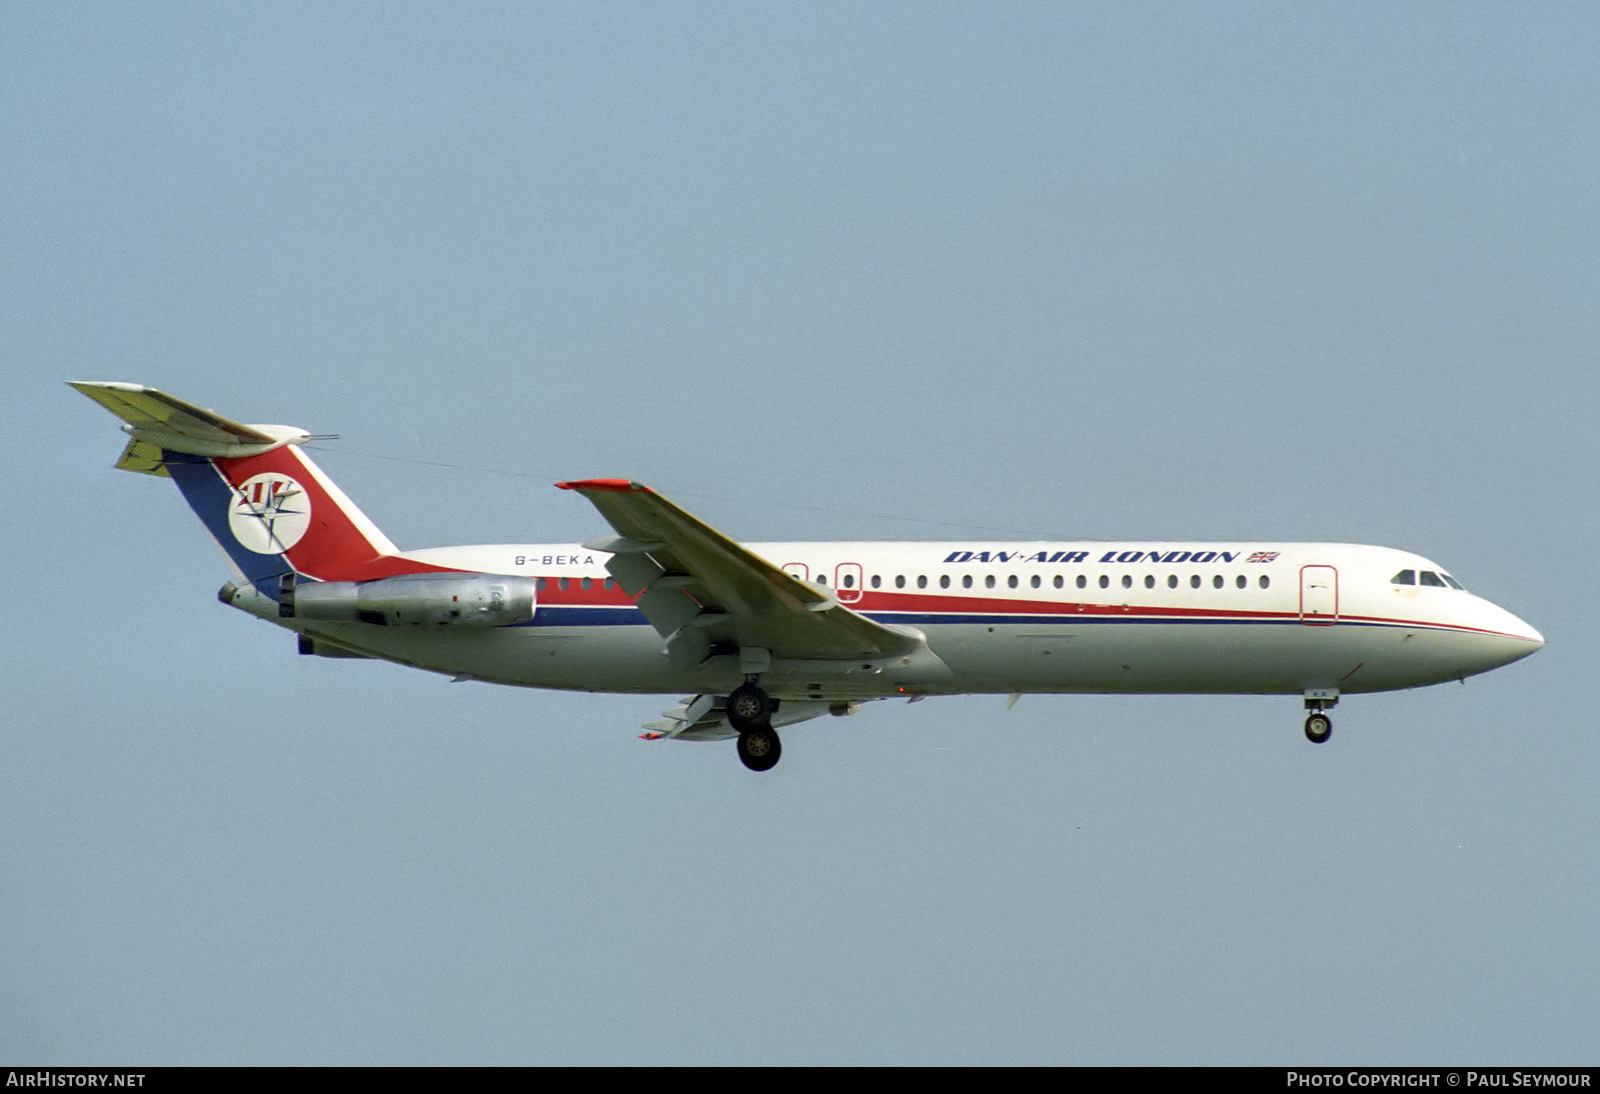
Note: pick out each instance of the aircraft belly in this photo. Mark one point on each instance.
(611, 659)
(615, 658)
(1236, 658)
(1243, 658)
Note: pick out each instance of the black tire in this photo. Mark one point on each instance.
(1319, 727)
(749, 708)
(759, 749)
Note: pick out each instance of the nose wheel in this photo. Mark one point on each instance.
(1319, 727)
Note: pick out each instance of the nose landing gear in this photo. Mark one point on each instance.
(1319, 727)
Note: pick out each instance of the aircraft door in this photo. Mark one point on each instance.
(1319, 595)
(847, 582)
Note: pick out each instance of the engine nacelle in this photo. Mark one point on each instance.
(414, 600)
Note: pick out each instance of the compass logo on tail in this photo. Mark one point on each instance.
(270, 513)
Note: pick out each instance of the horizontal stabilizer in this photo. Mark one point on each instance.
(156, 419)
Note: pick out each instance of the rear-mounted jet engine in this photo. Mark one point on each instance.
(415, 600)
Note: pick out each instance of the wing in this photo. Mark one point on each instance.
(692, 577)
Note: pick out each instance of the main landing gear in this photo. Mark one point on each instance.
(1319, 727)
(750, 712)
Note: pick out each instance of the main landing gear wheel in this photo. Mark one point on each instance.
(749, 711)
(759, 748)
(1319, 727)
(749, 708)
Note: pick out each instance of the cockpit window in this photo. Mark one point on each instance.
(1429, 578)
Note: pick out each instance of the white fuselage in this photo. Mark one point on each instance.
(1032, 617)
(768, 634)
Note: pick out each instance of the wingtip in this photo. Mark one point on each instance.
(616, 486)
(87, 386)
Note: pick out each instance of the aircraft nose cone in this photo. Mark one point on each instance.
(1513, 627)
(1513, 638)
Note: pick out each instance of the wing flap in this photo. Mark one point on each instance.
(697, 718)
(668, 609)
(702, 718)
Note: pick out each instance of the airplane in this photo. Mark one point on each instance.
(766, 635)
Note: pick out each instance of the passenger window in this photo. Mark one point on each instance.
(1172, 581)
(966, 582)
(1194, 582)
(1127, 582)
(988, 582)
(1083, 582)
(1241, 581)
(1431, 579)
(822, 579)
(563, 584)
(1265, 581)
(1149, 581)
(1061, 582)
(1105, 582)
(944, 581)
(1216, 582)
(849, 581)
(1035, 581)
(586, 584)
(899, 581)
(1404, 577)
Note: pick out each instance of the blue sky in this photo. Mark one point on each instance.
(1254, 271)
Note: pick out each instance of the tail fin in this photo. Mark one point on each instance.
(270, 509)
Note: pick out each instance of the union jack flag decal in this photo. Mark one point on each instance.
(1262, 556)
